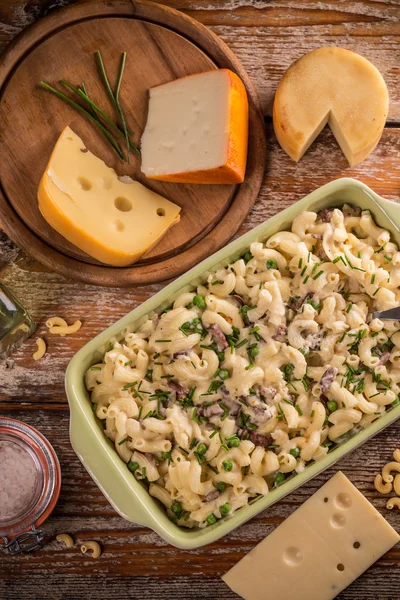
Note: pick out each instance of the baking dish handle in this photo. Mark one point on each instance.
(391, 208)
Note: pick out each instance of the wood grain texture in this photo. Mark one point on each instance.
(136, 563)
(163, 45)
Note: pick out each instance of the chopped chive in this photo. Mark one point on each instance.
(306, 278)
(123, 441)
(348, 309)
(389, 258)
(242, 343)
(304, 269)
(300, 263)
(317, 275)
(129, 385)
(376, 291)
(373, 278)
(335, 260)
(95, 368)
(162, 341)
(299, 410)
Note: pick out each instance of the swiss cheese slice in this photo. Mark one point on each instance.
(318, 551)
(197, 129)
(336, 87)
(114, 221)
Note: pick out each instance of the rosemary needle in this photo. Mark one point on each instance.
(119, 109)
(83, 87)
(86, 114)
(114, 99)
(93, 106)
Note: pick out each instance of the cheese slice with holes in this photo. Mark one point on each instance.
(318, 551)
(197, 129)
(114, 221)
(336, 87)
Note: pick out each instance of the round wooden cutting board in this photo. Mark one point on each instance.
(162, 45)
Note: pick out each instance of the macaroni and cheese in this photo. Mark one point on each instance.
(261, 369)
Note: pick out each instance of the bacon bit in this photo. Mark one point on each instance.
(325, 215)
(297, 303)
(181, 391)
(213, 495)
(260, 440)
(180, 354)
(218, 336)
(327, 379)
(280, 334)
(384, 358)
(209, 411)
(268, 393)
(314, 340)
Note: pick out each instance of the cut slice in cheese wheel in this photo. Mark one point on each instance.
(334, 86)
(197, 129)
(114, 221)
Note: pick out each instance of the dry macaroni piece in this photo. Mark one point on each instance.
(92, 547)
(58, 326)
(41, 349)
(381, 486)
(261, 369)
(66, 539)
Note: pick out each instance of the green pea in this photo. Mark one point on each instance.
(201, 449)
(133, 466)
(295, 452)
(271, 264)
(199, 302)
(176, 508)
(305, 351)
(332, 406)
(221, 356)
(224, 509)
(254, 351)
(196, 321)
(221, 486)
(280, 478)
(248, 256)
(227, 465)
(223, 374)
(165, 455)
(234, 442)
(211, 519)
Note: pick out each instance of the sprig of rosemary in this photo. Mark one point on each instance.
(95, 114)
(87, 114)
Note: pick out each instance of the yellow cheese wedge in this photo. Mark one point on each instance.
(197, 130)
(114, 221)
(334, 86)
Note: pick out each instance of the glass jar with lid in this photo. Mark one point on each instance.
(30, 480)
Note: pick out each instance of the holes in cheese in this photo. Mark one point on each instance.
(336, 87)
(197, 130)
(114, 221)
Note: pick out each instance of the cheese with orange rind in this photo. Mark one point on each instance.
(331, 86)
(197, 130)
(112, 220)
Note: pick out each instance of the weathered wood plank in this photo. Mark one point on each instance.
(268, 36)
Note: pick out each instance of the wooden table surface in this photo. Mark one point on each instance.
(267, 36)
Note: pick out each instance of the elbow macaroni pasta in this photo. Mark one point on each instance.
(259, 370)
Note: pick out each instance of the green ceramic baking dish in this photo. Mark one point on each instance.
(128, 496)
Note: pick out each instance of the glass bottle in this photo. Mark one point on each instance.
(15, 323)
